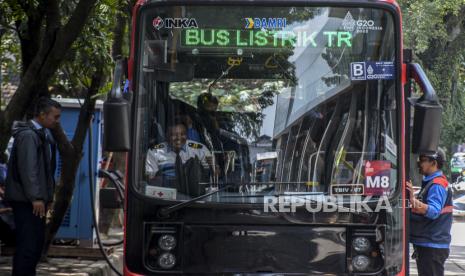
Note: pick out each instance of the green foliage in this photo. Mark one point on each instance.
(435, 31)
(91, 51)
(424, 20)
(453, 131)
(9, 47)
(11, 11)
(9, 55)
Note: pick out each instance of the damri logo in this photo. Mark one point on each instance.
(177, 23)
(265, 23)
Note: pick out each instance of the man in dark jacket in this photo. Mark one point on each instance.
(30, 183)
(431, 218)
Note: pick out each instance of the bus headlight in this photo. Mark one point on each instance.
(361, 244)
(167, 260)
(361, 262)
(167, 242)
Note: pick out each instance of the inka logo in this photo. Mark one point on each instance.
(158, 23)
(265, 23)
(176, 23)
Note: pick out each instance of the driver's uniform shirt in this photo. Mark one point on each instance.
(161, 158)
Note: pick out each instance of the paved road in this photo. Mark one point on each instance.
(74, 266)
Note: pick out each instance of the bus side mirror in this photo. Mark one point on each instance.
(426, 127)
(116, 116)
(428, 114)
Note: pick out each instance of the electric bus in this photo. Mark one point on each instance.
(292, 124)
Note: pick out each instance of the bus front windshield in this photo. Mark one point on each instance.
(265, 101)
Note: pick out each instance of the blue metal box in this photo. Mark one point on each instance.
(78, 224)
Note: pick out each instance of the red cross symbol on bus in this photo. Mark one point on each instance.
(160, 194)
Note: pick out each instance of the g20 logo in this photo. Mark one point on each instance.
(359, 25)
(365, 23)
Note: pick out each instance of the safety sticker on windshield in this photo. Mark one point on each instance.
(160, 192)
(377, 177)
(372, 70)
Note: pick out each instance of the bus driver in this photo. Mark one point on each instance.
(171, 162)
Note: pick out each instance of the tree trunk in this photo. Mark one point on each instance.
(118, 32)
(30, 31)
(71, 155)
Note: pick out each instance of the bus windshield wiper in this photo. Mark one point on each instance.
(165, 211)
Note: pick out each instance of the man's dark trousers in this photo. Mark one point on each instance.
(30, 235)
(430, 261)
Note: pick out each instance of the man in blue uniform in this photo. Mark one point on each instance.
(431, 218)
(175, 162)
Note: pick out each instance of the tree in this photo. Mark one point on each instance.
(85, 73)
(435, 30)
(72, 58)
(44, 41)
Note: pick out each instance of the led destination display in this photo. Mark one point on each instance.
(220, 38)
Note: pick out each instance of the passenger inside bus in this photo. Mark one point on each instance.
(233, 149)
(207, 105)
(179, 163)
(192, 130)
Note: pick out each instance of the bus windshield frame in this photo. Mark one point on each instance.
(138, 166)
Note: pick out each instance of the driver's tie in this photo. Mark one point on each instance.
(180, 175)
